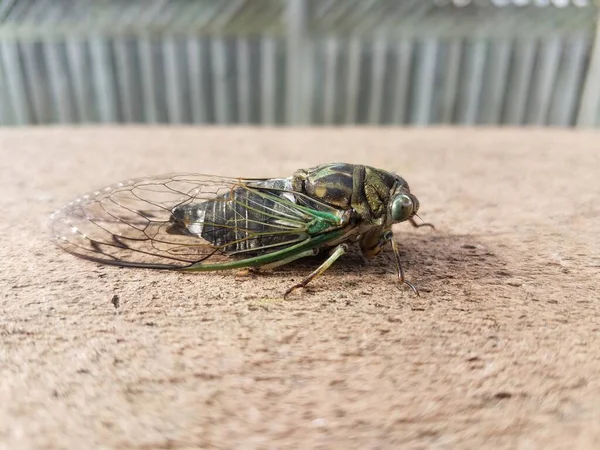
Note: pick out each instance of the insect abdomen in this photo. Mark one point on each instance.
(233, 222)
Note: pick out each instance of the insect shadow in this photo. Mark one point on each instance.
(427, 260)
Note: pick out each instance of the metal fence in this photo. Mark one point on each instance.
(278, 62)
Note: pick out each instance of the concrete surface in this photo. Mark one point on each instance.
(502, 350)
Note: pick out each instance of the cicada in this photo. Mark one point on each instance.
(193, 222)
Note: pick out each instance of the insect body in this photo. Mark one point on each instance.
(197, 222)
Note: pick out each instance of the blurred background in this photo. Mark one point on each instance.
(298, 62)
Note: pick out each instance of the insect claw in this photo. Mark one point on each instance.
(292, 289)
(413, 287)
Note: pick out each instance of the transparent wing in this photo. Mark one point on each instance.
(173, 221)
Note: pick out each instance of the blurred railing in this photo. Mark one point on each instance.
(278, 62)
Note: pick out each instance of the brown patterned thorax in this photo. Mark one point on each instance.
(365, 189)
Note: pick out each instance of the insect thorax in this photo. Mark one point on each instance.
(364, 189)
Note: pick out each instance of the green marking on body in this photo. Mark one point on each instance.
(260, 260)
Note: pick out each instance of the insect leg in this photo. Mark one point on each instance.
(289, 259)
(278, 263)
(339, 251)
(390, 236)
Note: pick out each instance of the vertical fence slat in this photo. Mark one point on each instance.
(307, 99)
(5, 118)
(219, 72)
(268, 79)
(587, 115)
(566, 93)
(472, 82)
(543, 81)
(254, 80)
(403, 79)
(496, 76)
(148, 79)
(124, 78)
(59, 82)
(14, 82)
(243, 79)
(280, 81)
(377, 80)
(331, 62)
(195, 60)
(36, 82)
(449, 96)
(519, 81)
(173, 83)
(77, 53)
(102, 71)
(296, 16)
(353, 86)
(424, 82)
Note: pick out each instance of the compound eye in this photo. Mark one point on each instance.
(402, 208)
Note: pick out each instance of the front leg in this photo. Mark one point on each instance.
(389, 236)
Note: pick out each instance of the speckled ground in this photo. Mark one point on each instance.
(502, 349)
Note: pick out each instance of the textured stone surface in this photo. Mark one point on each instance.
(501, 350)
